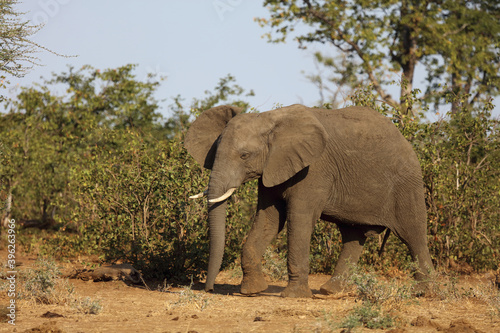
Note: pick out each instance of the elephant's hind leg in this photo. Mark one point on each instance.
(412, 230)
(353, 238)
(416, 240)
(268, 223)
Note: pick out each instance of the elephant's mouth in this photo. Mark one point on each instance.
(252, 176)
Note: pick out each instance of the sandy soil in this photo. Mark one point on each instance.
(133, 308)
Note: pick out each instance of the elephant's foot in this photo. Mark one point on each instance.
(253, 285)
(297, 290)
(333, 286)
(424, 285)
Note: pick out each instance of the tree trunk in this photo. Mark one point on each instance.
(408, 61)
(406, 89)
(8, 207)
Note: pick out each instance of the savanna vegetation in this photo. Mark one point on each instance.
(88, 158)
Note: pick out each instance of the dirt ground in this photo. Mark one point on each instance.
(133, 308)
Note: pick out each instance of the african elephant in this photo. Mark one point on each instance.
(349, 166)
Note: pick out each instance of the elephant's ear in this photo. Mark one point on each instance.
(296, 141)
(201, 138)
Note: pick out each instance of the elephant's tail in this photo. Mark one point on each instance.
(386, 236)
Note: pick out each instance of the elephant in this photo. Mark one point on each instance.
(349, 166)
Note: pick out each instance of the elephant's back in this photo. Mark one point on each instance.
(363, 129)
(357, 121)
(370, 143)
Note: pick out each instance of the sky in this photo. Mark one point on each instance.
(193, 43)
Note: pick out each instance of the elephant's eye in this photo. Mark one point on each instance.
(244, 156)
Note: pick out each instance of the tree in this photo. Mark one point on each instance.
(16, 59)
(48, 135)
(464, 52)
(16, 49)
(457, 41)
(116, 170)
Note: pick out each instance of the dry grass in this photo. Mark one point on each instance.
(42, 284)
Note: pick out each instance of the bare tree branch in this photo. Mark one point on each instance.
(355, 47)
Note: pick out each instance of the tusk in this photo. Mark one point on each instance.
(224, 196)
(199, 195)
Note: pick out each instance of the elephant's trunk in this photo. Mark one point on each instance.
(223, 182)
(217, 225)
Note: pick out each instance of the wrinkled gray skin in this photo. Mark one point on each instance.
(350, 166)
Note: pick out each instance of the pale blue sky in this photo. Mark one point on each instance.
(194, 43)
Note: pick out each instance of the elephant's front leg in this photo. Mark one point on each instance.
(268, 222)
(299, 230)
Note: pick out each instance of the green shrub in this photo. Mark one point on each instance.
(378, 298)
(368, 315)
(87, 305)
(187, 297)
(43, 284)
(133, 205)
(275, 265)
(373, 289)
(460, 160)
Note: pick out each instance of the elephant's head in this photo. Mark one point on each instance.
(238, 147)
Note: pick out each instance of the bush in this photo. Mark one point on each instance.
(107, 174)
(134, 205)
(43, 284)
(460, 159)
(378, 299)
(368, 315)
